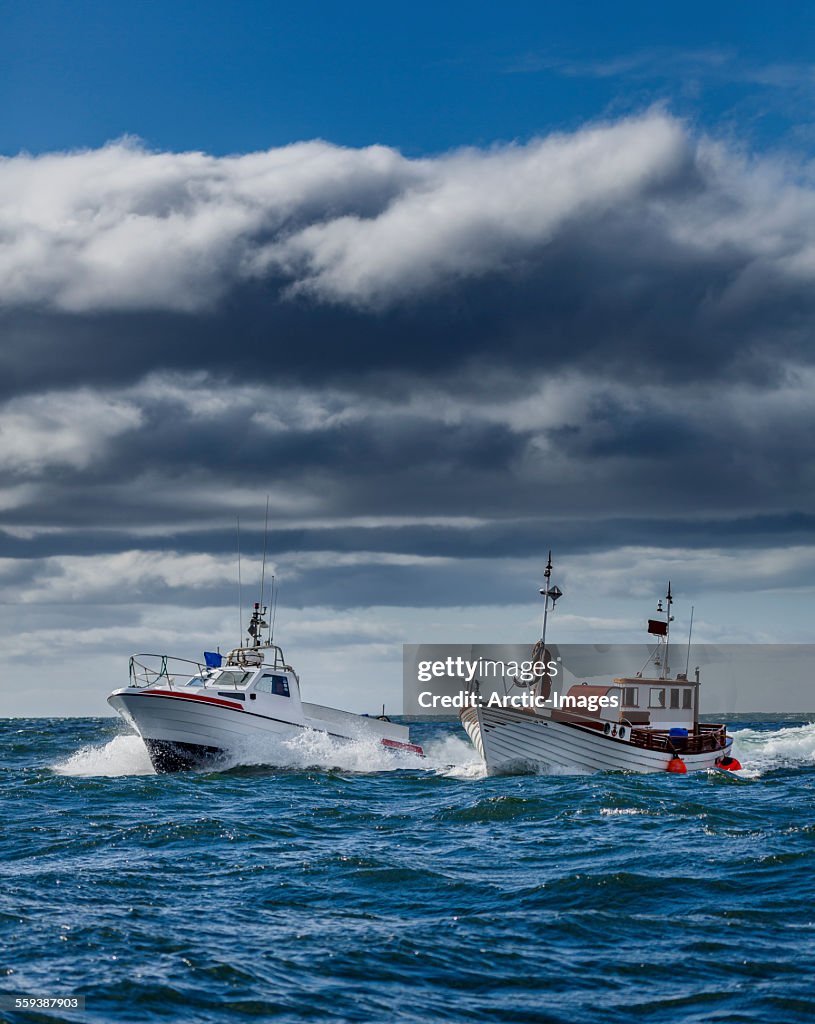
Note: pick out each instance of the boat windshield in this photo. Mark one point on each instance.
(235, 678)
(196, 681)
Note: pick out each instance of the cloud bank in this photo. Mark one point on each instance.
(435, 368)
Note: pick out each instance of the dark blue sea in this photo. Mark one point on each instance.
(334, 884)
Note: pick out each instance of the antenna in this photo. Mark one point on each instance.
(690, 634)
(274, 614)
(668, 619)
(265, 535)
(547, 573)
(240, 595)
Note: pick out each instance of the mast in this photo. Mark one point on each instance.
(240, 594)
(690, 634)
(668, 617)
(265, 538)
(547, 574)
(549, 593)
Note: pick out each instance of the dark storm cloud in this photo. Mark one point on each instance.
(169, 463)
(599, 340)
(510, 539)
(632, 248)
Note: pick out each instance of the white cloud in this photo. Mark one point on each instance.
(121, 228)
(62, 428)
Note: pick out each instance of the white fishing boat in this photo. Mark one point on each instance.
(636, 724)
(191, 714)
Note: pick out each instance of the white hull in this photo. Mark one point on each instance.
(510, 740)
(182, 730)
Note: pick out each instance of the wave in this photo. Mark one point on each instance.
(310, 749)
(762, 750)
(759, 750)
(127, 755)
(123, 755)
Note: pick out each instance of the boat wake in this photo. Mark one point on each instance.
(127, 755)
(123, 755)
(763, 750)
(759, 750)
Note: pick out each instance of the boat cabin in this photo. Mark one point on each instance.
(659, 703)
(245, 674)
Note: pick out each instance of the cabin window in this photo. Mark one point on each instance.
(657, 698)
(232, 678)
(278, 685)
(631, 697)
(687, 699)
(674, 698)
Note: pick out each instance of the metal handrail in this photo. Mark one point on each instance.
(145, 675)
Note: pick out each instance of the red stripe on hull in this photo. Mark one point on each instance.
(191, 696)
(396, 745)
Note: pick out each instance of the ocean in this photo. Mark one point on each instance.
(328, 883)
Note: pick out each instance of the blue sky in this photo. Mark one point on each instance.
(230, 77)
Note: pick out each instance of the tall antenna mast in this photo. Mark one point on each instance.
(240, 595)
(668, 617)
(274, 614)
(547, 574)
(272, 600)
(690, 634)
(549, 593)
(265, 535)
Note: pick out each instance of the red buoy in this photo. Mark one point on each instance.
(677, 766)
(728, 764)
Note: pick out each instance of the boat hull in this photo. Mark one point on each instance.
(166, 756)
(182, 731)
(509, 740)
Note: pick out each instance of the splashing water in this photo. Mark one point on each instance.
(127, 755)
(451, 756)
(761, 750)
(311, 749)
(123, 755)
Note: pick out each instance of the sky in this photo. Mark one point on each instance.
(450, 284)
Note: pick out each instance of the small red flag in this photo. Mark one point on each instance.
(657, 628)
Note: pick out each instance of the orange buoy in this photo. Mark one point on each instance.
(728, 764)
(677, 766)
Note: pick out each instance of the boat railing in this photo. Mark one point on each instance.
(707, 738)
(265, 654)
(163, 669)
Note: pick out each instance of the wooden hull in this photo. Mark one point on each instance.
(510, 740)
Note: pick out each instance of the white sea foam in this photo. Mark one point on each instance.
(447, 755)
(760, 750)
(311, 749)
(454, 757)
(123, 755)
